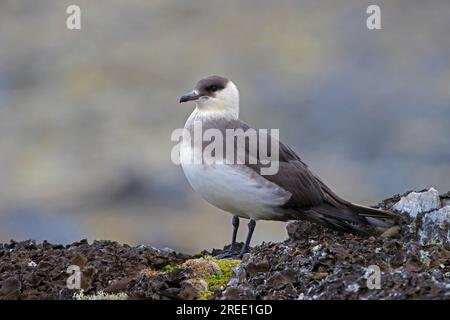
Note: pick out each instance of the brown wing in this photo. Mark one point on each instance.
(293, 174)
(311, 198)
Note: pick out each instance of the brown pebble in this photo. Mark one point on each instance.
(10, 289)
(392, 232)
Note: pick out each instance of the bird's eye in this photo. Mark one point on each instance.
(213, 88)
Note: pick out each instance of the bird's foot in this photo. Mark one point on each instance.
(230, 254)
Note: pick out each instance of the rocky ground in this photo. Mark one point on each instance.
(413, 260)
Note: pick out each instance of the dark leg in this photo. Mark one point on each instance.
(231, 253)
(251, 228)
(235, 223)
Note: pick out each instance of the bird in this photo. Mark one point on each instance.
(294, 192)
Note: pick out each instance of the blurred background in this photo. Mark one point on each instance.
(86, 116)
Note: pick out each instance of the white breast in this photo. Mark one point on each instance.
(234, 188)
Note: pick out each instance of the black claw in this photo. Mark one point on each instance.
(232, 253)
(228, 255)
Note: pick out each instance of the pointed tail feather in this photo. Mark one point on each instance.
(374, 217)
(351, 218)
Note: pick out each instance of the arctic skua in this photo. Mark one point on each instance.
(292, 193)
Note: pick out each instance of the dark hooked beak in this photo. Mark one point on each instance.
(193, 95)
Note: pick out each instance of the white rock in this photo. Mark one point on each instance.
(425, 257)
(352, 287)
(436, 226)
(416, 202)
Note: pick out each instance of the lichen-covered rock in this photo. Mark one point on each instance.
(318, 263)
(313, 263)
(418, 202)
(427, 213)
(436, 226)
(202, 266)
(168, 285)
(103, 264)
(101, 295)
(325, 264)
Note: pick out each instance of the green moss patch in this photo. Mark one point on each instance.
(168, 268)
(219, 280)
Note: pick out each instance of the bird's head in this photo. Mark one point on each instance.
(215, 94)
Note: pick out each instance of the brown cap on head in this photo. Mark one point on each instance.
(206, 87)
(209, 85)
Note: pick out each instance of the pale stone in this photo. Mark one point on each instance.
(436, 226)
(417, 202)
